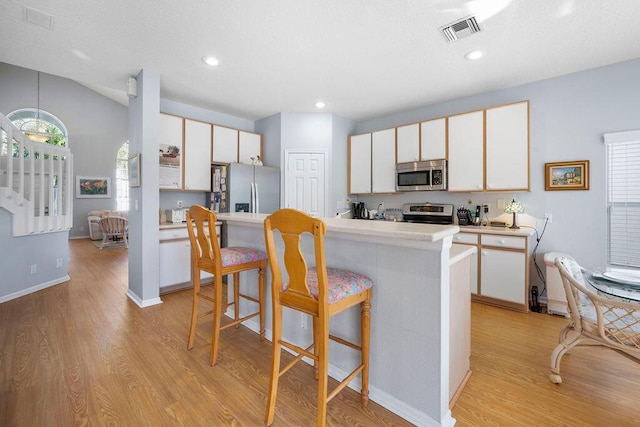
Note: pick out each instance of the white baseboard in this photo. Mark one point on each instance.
(33, 289)
(79, 237)
(396, 406)
(143, 303)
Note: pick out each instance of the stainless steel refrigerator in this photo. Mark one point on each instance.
(239, 187)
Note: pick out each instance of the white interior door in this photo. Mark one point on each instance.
(305, 182)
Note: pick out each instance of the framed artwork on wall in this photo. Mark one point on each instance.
(89, 187)
(134, 170)
(566, 175)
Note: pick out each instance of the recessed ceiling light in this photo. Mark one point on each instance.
(320, 104)
(210, 60)
(474, 54)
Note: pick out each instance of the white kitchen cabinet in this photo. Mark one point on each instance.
(359, 161)
(433, 139)
(225, 145)
(170, 151)
(501, 268)
(249, 145)
(408, 143)
(175, 258)
(197, 152)
(507, 147)
(383, 161)
(466, 152)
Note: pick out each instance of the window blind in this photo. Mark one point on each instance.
(623, 199)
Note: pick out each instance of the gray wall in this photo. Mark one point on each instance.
(568, 117)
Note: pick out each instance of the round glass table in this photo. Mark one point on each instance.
(624, 290)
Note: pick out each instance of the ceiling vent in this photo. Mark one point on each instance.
(36, 17)
(461, 28)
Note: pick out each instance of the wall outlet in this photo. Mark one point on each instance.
(486, 208)
(303, 321)
(179, 203)
(81, 228)
(34, 268)
(548, 217)
(59, 263)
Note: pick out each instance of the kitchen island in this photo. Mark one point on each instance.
(410, 311)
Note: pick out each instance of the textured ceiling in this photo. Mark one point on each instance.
(364, 58)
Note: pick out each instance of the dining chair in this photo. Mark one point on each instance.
(595, 319)
(206, 255)
(114, 227)
(319, 291)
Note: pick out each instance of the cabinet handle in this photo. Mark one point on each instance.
(479, 187)
(502, 242)
(483, 252)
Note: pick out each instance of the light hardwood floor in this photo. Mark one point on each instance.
(81, 353)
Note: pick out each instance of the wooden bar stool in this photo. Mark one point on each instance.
(207, 255)
(319, 291)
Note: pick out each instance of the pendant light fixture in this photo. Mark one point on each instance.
(37, 132)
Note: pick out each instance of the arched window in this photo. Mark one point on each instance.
(122, 177)
(40, 125)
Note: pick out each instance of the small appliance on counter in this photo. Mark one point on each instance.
(428, 213)
(358, 211)
(176, 215)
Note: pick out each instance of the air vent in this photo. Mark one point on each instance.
(461, 28)
(36, 17)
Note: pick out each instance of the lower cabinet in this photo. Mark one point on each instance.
(502, 268)
(175, 259)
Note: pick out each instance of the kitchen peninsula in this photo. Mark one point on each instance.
(410, 265)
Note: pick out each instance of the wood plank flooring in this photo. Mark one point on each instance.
(81, 353)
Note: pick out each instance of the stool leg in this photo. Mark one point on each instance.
(217, 318)
(315, 346)
(261, 298)
(323, 367)
(365, 319)
(195, 274)
(275, 364)
(236, 297)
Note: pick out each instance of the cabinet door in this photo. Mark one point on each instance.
(175, 262)
(408, 143)
(383, 161)
(170, 151)
(225, 145)
(466, 152)
(433, 139)
(507, 163)
(359, 164)
(502, 275)
(197, 152)
(249, 145)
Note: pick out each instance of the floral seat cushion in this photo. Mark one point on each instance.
(240, 255)
(341, 283)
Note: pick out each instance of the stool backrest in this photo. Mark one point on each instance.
(204, 246)
(292, 224)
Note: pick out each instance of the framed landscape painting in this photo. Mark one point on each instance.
(89, 187)
(566, 175)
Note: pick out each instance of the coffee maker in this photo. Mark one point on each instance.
(358, 211)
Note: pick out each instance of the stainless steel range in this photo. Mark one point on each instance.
(428, 213)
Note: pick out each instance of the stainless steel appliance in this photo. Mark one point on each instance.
(238, 187)
(426, 175)
(428, 213)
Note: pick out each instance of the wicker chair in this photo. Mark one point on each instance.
(595, 319)
(114, 227)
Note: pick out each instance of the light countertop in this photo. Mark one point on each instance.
(381, 229)
(170, 225)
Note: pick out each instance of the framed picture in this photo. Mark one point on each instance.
(134, 170)
(91, 187)
(566, 175)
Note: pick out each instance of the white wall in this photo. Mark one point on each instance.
(568, 118)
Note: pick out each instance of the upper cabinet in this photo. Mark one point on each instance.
(359, 161)
(197, 152)
(433, 139)
(489, 149)
(225, 145)
(171, 148)
(466, 152)
(507, 147)
(408, 143)
(383, 161)
(249, 146)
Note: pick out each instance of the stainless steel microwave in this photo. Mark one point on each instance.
(427, 175)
